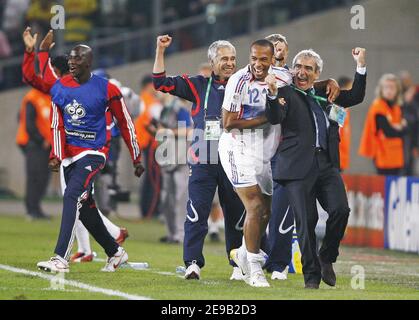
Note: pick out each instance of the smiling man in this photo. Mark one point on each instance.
(53, 69)
(80, 146)
(308, 159)
(205, 171)
(246, 148)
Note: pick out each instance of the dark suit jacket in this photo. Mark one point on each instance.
(297, 148)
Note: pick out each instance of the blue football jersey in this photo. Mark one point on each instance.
(83, 108)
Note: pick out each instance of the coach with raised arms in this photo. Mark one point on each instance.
(308, 159)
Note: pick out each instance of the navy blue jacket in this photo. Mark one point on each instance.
(194, 89)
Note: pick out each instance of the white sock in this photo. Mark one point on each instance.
(212, 227)
(220, 223)
(82, 236)
(243, 244)
(242, 249)
(113, 229)
(255, 261)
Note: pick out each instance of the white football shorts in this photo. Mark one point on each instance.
(243, 161)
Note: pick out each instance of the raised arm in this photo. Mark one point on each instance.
(181, 86)
(356, 94)
(28, 64)
(47, 71)
(163, 42)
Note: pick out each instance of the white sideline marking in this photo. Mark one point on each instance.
(108, 292)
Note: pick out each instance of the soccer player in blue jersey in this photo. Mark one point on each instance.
(82, 107)
(52, 69)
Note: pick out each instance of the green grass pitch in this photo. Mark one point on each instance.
(388, 274)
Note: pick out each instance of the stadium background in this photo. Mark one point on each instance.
(124, 43)
(390, 36)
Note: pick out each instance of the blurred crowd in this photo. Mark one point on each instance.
(92, 20)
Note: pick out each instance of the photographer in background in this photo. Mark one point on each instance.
(173, 127)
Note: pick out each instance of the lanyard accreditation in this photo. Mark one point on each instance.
(212, 127)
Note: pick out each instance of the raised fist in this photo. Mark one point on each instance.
(359, 56)
(164, 41)
(271, 82)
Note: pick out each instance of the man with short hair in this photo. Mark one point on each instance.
(80, 146)
(150, 189)
(205, 171)
(308, 160)
(33, 137)
(246, 148)
(281, 224)
(52, 70)
(174, 125)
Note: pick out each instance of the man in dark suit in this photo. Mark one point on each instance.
(308, 161)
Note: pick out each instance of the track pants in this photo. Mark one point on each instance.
(203, 181)
(281, 226)
(78, 203)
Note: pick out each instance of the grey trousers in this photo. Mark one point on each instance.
(175, 197)
(37, 178)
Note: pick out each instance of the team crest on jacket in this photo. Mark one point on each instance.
(76, 111)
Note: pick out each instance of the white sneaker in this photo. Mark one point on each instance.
(257, 279)
(237, 274)
(240, 258)
(120, 257)
(193, 272)
(55, 264)
(276, 275)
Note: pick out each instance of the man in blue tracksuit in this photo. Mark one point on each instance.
(281, 224)
(206, 172)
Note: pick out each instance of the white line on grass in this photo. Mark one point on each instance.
(108, 292)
